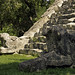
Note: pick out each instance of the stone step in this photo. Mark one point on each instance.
(71, 32)
(67, 16)
(40, 45)
(37, 45)
(35, 52)
(72, 19)
(8, 51)
(38, 39)
(69, 26)
(73, 5)
(70, 10)
(63, 21)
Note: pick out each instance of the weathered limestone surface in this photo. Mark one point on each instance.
(12, 44)
(59, 30)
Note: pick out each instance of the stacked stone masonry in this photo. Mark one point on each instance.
(52, 38)
(59, 30)
(36, 46)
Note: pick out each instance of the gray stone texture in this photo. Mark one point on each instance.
(47, 60)
(59, 31)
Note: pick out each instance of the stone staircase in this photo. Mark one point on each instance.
(68, 21)
(60, 38)
(36, 46)
(64, 18)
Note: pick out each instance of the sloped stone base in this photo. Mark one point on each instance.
(49, 59)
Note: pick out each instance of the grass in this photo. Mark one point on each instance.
(9, 66)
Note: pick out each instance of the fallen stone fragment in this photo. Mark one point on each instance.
(47, 60)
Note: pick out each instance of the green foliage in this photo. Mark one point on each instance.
(40, 11)
(9, 66)
(8, 29)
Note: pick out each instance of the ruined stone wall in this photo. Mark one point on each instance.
(59, 30)
(53, 16)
